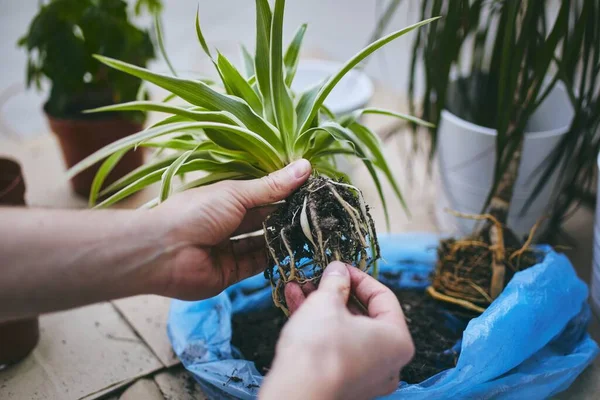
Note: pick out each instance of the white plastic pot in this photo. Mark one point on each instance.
(465, 165)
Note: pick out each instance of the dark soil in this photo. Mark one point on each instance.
(432, 337)
(327, 217)
(255, 335)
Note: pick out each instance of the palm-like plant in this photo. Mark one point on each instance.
(252, 125)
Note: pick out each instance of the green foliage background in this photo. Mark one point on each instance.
(61, 42)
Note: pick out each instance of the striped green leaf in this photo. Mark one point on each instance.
(335, 79)
(202, 95)
(292, 55)
(107, 166)
(170, 172)
(213, 116)
(283, 106)
(237, 84)
(264, 16)
(200, 35)
(228, 136)
(380, 111)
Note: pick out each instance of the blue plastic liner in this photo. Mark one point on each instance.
(531, 343)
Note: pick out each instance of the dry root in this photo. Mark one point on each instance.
(323, 221)
(473, 271)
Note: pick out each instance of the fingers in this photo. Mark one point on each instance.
(274, 187)
(336, 282)
(380, 301)
(295, 294)
(239, 259)
(254, 218)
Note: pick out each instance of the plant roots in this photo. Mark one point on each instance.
(321, 222)
(473, 271)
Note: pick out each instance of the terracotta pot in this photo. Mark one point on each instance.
(80, 138)
(17, 338)
(12, 184)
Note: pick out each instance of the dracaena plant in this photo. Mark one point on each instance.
(251, 125)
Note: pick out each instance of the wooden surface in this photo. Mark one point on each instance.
(89, 352)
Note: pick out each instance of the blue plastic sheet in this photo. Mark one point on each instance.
(531, 343)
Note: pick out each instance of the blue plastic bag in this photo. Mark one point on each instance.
(530, 343)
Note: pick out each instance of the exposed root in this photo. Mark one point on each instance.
(323, 221)
(472, 272)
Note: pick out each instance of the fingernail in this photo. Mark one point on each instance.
(336, 268)
(299, 168)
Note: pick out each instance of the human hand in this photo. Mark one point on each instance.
(329, 350)
(201, 258)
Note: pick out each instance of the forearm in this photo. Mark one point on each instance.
(57, 259)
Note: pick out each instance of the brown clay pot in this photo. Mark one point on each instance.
(17, 338)
(80, 138)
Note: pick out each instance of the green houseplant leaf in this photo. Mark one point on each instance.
(252, 126)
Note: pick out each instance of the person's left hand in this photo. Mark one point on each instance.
(201, 259)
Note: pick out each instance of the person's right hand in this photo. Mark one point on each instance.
(329, 350)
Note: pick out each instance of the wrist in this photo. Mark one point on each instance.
(150, 250)
(303, 374)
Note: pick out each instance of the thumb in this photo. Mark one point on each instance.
(336, 282)
(275, 186)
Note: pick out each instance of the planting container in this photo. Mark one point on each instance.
(79, 138)
(466, 158)
(531, 343)
(17, 338)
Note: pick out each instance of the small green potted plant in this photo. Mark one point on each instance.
(252, 125)
(60, 43)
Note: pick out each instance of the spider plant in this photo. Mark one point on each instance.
(251, 125)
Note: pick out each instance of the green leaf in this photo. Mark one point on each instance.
(161, 44)
(305, 103)
(334, 80)
(200, 35)
(283, 106)
(349, 136)
(292, 55)
(302, 141)
(264, 17)
(320, 141)
(379, 111)
(371, 140)
(248, 62)
(105, 169)
(213, 116)
(204, 181)
(167, 176)
(237, 84)
(228, 136)
(231, 168)
(202, 95)
(204, 152)
(324, 168)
